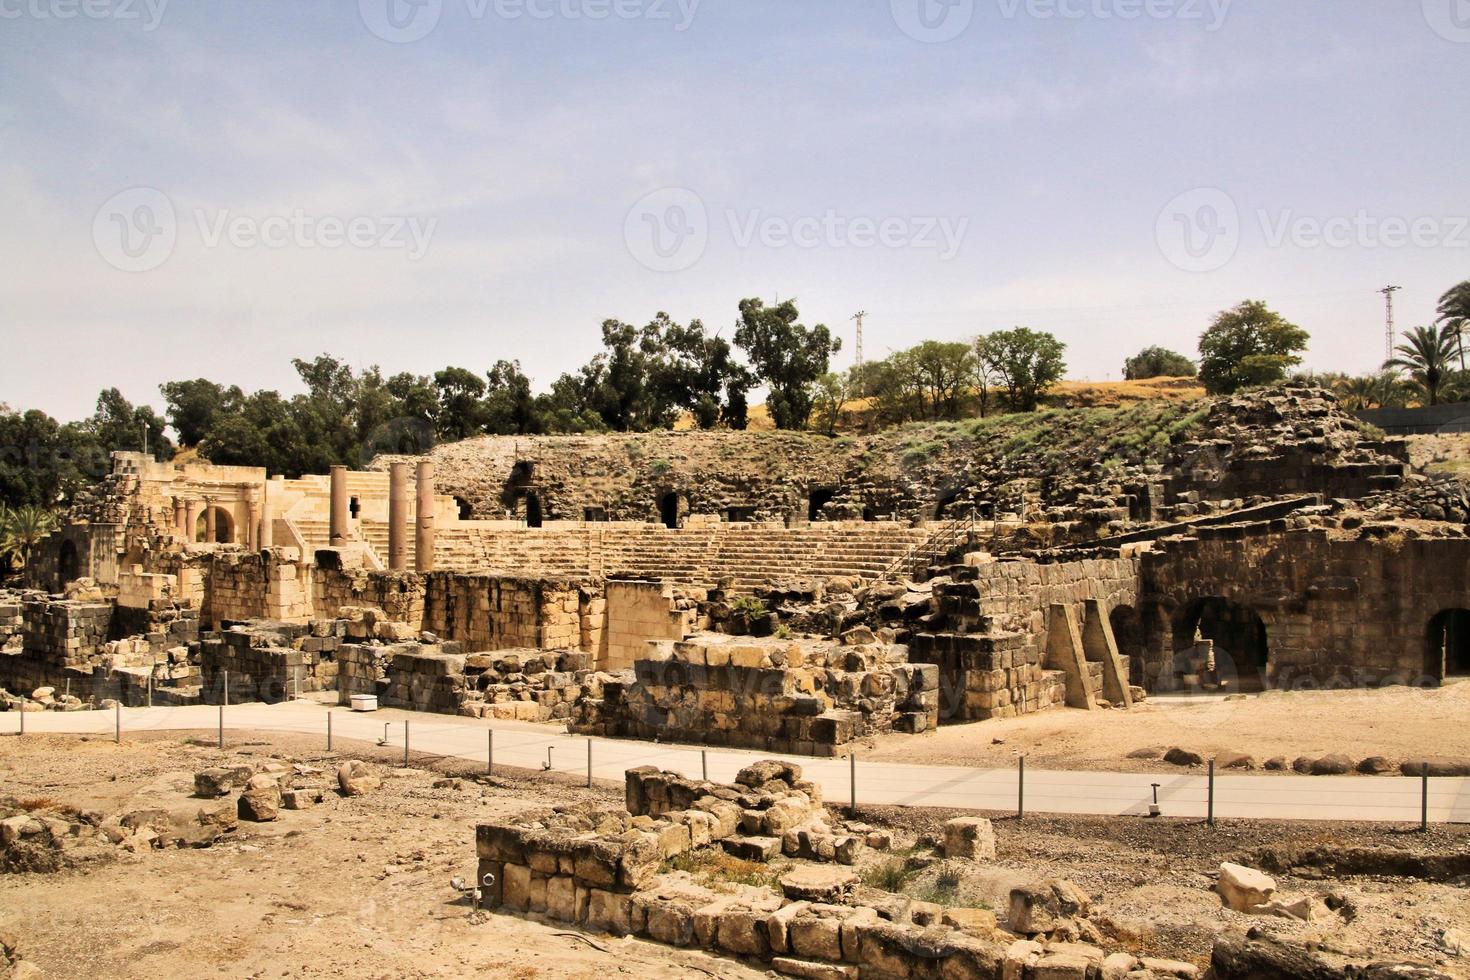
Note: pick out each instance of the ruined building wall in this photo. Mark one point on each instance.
(637, 613)
(489, 612)
(1335, 610)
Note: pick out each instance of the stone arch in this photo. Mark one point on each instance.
(224, 526)
(1127, 628)
(1242, 644)
(1447, 645)
(668, 510)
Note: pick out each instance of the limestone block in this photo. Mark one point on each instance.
(1243, 888)
(969, 837)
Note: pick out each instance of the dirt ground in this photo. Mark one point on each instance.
(361, 887)
(1397, 723)
(353, 887)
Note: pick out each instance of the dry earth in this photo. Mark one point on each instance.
(1397, 722)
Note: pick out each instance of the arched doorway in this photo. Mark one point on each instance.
(1242, 648)
(1128, 634)
(224, 526)
(533, 510)
(818, 498)
(1448, 645)
(68, 565)
(668, 510)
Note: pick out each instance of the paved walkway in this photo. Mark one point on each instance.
(1279, 797)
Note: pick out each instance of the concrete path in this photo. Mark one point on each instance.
(1395, 799)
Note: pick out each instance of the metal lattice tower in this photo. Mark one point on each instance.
(1388, 292)
(858, 350)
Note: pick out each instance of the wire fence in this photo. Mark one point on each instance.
(423, 737)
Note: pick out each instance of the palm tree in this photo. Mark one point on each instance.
(21, 530)
(1357, 393)
(1427, 357)
(1454, 313)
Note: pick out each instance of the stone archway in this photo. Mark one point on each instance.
(1128, 634)
(818, 498)
(1242, 645)
(1447, 645)
(224, 526)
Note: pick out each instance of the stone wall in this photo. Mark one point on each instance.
(779, 695)
(637, 613)
(267, 662)
(1337, 607)
(399, 594)
(493, 612)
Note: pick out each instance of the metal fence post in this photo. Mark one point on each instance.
(1210, 807)
(221, 726)
(1424, 801)
(1021, 788)
(227, 688)
(704, 765)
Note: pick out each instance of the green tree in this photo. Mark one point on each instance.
(1247, 346)
(829, 395)
(1027, 363)
(22, 529)
(510, 407)
(1427, 354)
(787, 357)
(1158, 362)
(461, 411)
(118, 425)
(194, 406)
(1454, 314)
(44, 463)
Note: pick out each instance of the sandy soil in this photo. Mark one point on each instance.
(360, 887)
(1398, 723)
(354, 887)
(1445, 454)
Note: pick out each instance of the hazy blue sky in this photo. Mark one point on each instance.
(948, 168)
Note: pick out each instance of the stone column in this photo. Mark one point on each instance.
(424, 538)
(267, 537)
(211, 528)
(191, 520)
(337, 527)
(398, 517)
(179, 525)
(252, 522)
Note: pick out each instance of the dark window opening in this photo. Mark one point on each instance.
(869, 514)
(668, 510)
(594, 515)
(354, 507)
(533, 510)
(1449, 645)
(464, 508)
(69, 566)
(819, 497)
(740, 515)
(1128, 634)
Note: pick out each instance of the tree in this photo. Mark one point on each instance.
(117, 425)
(1247, 346)
(984, 375)
(510, 407)
(829, 395)
(1428, 356)
(22, 529)
(461, 413)
(1158, 362)
(1454, 313)
(1026, 362)
(787, 357)
(194, 406)
(1382, 390)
